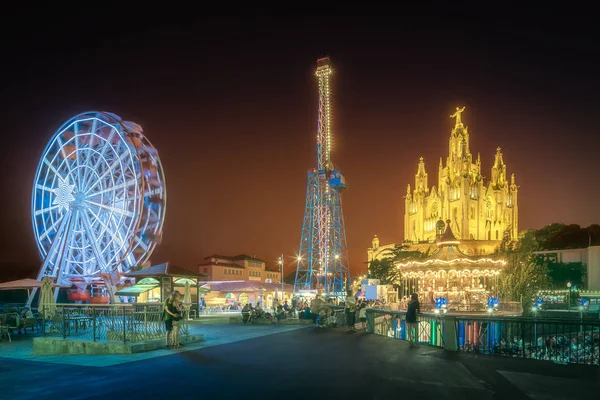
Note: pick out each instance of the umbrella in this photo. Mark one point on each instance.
(187, 295)
(24, 284)
(47, 298)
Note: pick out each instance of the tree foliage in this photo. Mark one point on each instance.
(561, 236)
(525, 273)
(385, 269)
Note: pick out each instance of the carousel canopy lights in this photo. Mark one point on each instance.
(451, 262)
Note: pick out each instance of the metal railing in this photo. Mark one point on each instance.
(429, 330)
(126, 323)
(563, 341)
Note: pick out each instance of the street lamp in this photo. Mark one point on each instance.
(569, 296)
(280, 261)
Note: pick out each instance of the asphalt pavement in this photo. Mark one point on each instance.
(306, 363)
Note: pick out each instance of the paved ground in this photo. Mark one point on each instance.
(299, 364)
(215, 334)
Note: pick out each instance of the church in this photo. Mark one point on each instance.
(481, 213)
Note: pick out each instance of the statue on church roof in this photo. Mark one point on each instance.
(457, 115)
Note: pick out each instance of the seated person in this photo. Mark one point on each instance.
(280, 313)
(286, 306)
(246, 311)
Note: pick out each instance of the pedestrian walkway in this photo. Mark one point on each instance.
(214, 334)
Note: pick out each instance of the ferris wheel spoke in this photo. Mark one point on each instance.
(58, 237)
(139, 241)
(123, 185)
(94, 242)
(51, 227)
(120, 241)
(114, 209)
(106, 145)
(61, 145)
(70, 236)
(52, 167)
(84, 244)
(42, 187)
(45, 210)
(108, 170)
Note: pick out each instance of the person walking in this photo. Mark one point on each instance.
(170, 313)
(411, 318)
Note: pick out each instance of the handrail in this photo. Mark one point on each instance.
(552, 339)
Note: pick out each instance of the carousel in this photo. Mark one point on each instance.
(452, 279)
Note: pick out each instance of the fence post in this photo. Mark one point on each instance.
(65, 323)
(94, 322)
(450, 333)
(44, 320)
(523, 339)
(124, 330)
(370, 321)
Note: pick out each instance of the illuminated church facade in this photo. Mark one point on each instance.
(481, 213)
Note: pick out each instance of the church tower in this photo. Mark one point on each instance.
(477, 212)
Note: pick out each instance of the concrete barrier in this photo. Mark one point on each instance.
(46, 346)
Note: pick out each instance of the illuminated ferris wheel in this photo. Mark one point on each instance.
(99, 198)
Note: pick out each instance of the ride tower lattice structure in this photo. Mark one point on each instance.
(98, 201)
(323, 255)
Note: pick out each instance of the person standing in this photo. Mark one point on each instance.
(177, 321)
(362, 315)
(170, 313)
(411, 318)
(350, 310)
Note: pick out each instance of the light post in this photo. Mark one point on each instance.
(535, 314)
(280, 261)
(569, 296)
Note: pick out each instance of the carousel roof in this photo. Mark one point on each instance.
(449, 254)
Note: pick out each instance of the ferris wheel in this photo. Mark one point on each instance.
(99, 198)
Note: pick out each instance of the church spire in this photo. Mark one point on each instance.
(421, 184)
(498, 170)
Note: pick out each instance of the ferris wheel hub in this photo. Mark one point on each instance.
(80, 200)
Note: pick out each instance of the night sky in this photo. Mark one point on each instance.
(231, 105)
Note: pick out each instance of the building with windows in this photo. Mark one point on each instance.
(238, 268)
(589, 257)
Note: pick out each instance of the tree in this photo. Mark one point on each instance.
(525, 273)
(385, 269)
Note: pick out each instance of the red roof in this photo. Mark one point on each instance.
(245, 286)
(164, 270)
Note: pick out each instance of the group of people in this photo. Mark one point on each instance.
(280, 311)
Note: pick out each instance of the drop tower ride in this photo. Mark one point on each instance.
(323, 256)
